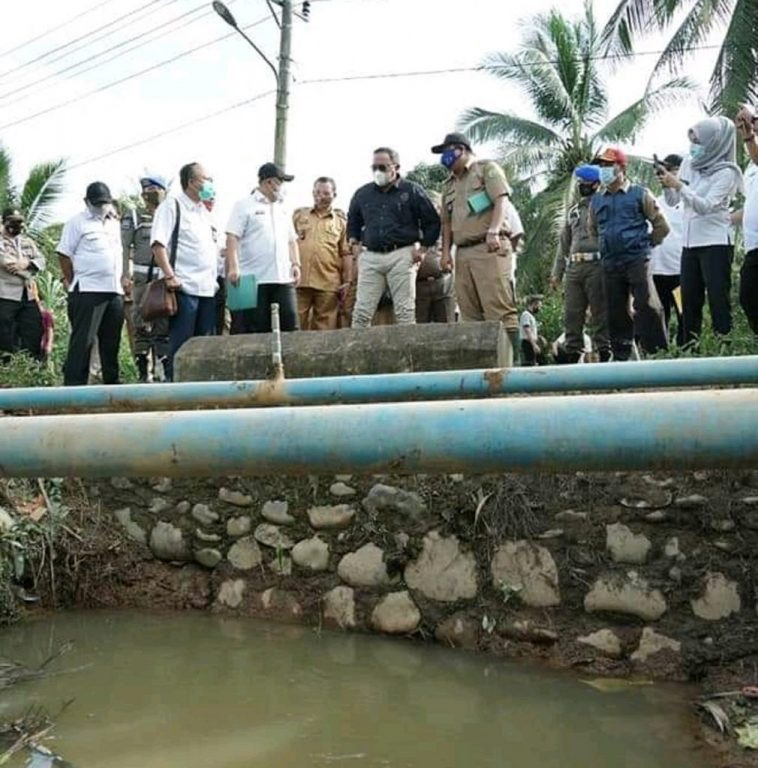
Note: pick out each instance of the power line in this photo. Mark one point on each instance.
(56, 28)
(63, 46)
(168, 131)
(121, 81)
(54, 75)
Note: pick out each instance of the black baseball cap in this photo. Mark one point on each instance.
(273, 171)
(672, 161)
(452, 138)
(12, 213)
(98, 193)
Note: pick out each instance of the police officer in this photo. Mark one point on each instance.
(474, 219)
(20, 260)
(150, 338)
(578, 262)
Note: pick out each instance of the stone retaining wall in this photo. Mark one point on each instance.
(618, 573)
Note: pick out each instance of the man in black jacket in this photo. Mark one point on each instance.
(390, 224)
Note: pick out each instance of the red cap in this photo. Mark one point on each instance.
(612, 155)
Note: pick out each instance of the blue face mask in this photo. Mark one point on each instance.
(607, 175)
(449, 156)
(206, 192)
(696, 150)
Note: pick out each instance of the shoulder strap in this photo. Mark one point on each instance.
(172, 248)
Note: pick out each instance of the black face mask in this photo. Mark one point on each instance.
(13, 228)
(586, 190)
(153, 197)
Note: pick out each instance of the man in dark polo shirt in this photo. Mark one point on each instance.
(390, 224)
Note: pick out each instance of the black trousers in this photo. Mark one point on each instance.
(20, 326)
(93, 316)
(621, 282)
(258, 320)
(749, 288)
(707, 270)
(666, 285)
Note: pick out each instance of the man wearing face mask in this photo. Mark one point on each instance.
(20, 318)
(629, 224)
(396, 222)
(150, 338)
(261, 241)
(474, 219)
(327, 263)
(578, 262)
(193, 273)
(92, 264)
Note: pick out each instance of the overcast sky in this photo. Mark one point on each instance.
(333, 127)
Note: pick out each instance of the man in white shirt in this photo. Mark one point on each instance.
(746, 124)
(666, 258)
(533, 346)
(261, 241)
(191, 270)
(91, 262)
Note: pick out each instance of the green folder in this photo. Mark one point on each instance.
(244, 295)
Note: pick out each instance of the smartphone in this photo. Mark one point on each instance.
(660, 168)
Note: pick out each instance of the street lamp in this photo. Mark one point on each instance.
(282, 74)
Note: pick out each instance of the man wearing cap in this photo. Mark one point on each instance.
(666, 258)
(261, 241)
(20, 260)
(150, 338)
(391, 223)
(629, 224)
(578, 262)
(92, 265)
(474, 219)
(194, 269)
(327, 263)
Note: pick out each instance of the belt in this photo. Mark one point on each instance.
(143, 269)
(579, 258)
(478, 240)
(390, 248)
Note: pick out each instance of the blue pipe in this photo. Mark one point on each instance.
(669, 430)
(433, 385)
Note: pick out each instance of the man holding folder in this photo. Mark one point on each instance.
(262, 257)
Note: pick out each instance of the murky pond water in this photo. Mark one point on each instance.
(197, 691)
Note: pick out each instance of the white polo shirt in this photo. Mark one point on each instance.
(265, 231)
(196, 251)
(750, 210)
(666, 258)
(94, 247)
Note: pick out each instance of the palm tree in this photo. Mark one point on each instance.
(732, 81)
(558, 67)
(39, 193)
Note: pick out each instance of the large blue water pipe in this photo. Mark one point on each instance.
(433, 385)
(642, 431)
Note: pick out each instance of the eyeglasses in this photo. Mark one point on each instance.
(383, 167)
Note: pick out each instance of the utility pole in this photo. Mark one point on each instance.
(283, 85)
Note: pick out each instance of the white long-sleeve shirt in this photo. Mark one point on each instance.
(706, 200)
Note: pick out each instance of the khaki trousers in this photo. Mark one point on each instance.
(317, 309)
(376, 271)
(484, 286)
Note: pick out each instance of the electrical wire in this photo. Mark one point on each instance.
(63, 46)
(94, 57)
(121, 81)
(56, 28)
(168, 131)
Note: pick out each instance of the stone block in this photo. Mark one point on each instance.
(339, 516)
(442, 572)
(651, 643)
(396, 614)
(244, 554)
(529, 570)
(625, 546)
(720, 598)
(339, 608)
(311, 554)
(628, 594)
(167, 543)
(364, 568)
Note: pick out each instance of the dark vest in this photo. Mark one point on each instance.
(622, 226)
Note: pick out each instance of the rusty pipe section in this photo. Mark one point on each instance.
(652, 431)
(396, 387)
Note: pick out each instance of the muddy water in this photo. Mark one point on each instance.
(197, 691)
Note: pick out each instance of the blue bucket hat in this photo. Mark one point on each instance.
(589, 174)
(153, 180)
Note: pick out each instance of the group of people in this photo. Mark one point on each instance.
(628, 261)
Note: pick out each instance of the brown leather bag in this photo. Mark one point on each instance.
(160, 301)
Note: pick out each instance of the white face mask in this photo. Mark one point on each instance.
(100, 211)
(381, 178)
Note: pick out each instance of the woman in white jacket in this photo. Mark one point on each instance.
(708, 181)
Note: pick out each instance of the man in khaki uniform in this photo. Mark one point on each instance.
(325, 257)
(150, 338)
(474, 211)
